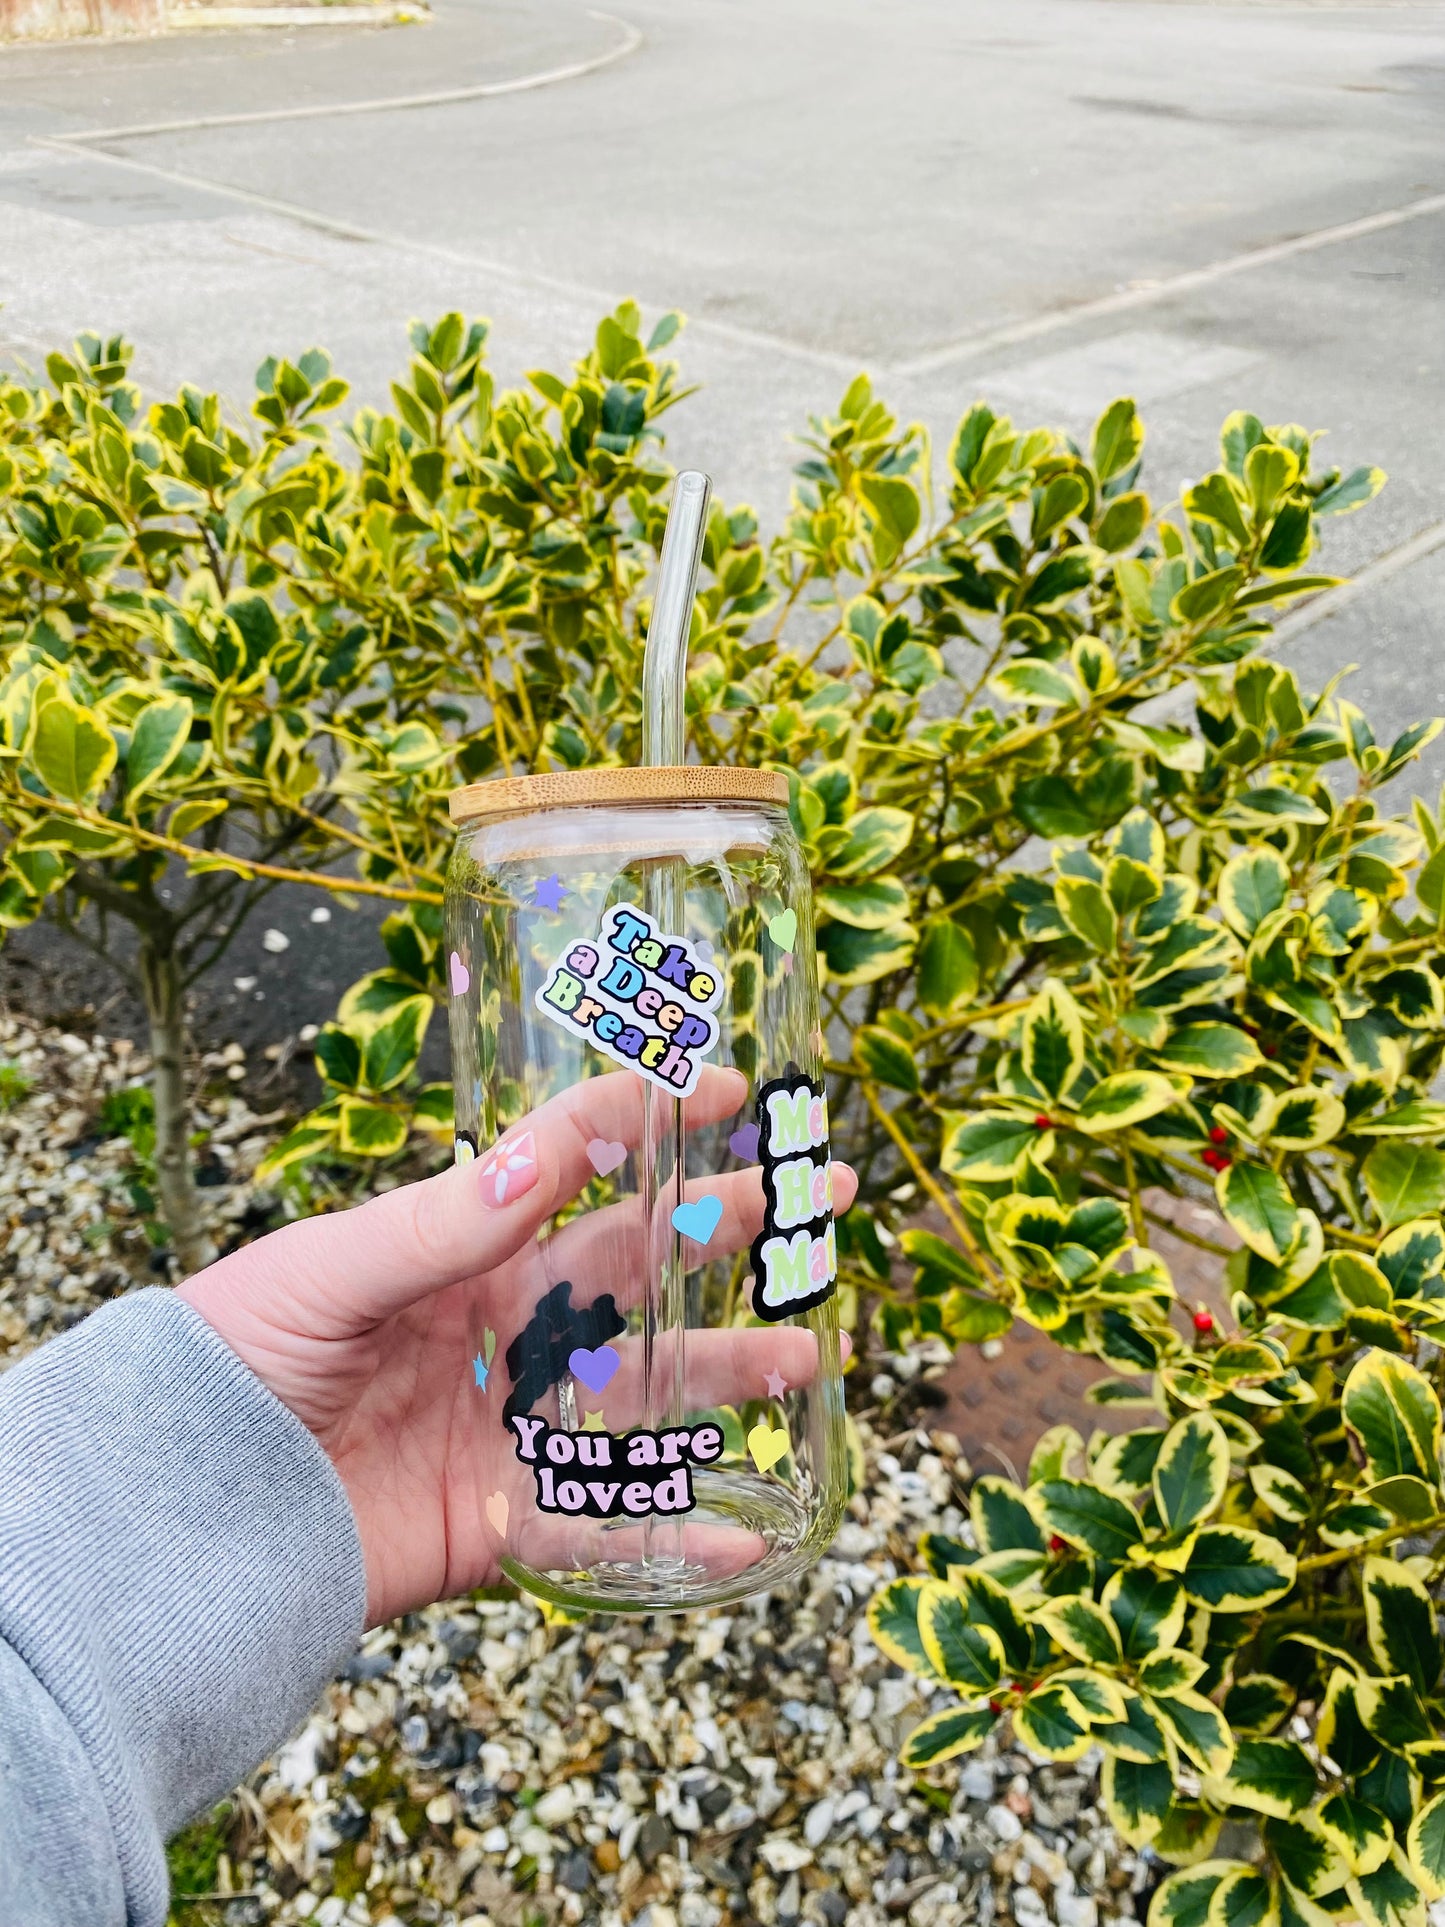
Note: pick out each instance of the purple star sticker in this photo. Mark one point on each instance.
(549, 892)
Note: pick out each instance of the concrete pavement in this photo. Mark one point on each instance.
(1206, 206)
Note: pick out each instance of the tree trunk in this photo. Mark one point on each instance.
(175, 1174)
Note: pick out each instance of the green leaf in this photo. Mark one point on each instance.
(1048, 1722)
(338, 1056)
(1256, 1702)
(1404, 1181)
(313, 1135)
(1118, 438)
(991, 1604)
(871, 905)
(1350, 492)
(1400, 1620)
(160, 733)
(943, 1736)
(1426, 1845)
(987, 1149)
(1272, 1776)
(1412, 1255)
(1001, 1518)
(895, 509)
(1303, 1857)
(1029, 680)
(1139, 1736)
(1125, 1099)
(1242, 1899)
(1257, 1205)
(1281, 1491)
(856, 956)
(1122, 522)
(1191, 1471)
(1252, 886)
(875, 837)
(1198, 1728)
(1235, 1569)
(1051, 1039)
(1168, 1672)
(1359, 1833)
(1147, 1607)
(1183, 1899)
(1393, 1714)
(1050, 806)
(1388, 1897)
(1085, 908)
(1126, 1464)
(392, 1048)
(72, 753)
(885, 1058)
(1137, 1795)
(1081, 1628)
(1089, 1518)
(1422, 1117)
(1054, 1451)
(1393, 1415)
(970, 1657)
(946, 966)
(1209, 1050)
(893, 1621)
(369, 1130)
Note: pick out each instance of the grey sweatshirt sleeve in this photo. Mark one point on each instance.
(180, 1576)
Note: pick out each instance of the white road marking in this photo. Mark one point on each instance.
(1127, 300)
(631, 40)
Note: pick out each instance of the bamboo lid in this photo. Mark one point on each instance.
(563, 788)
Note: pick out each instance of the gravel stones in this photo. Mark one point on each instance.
(481, 1764)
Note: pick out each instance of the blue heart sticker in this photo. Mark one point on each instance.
(699, 1219)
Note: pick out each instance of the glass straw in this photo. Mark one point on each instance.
(664, 742)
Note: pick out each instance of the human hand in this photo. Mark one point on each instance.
(363, 1323)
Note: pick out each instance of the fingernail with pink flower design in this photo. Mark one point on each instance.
(509, 1170)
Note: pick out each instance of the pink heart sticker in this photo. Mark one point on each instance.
(498, 1513)
(461, 977)
(595, 1369)
(605, 1154)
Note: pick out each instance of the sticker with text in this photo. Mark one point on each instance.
(795, 1257)
(646, 1000)
(609, 1477)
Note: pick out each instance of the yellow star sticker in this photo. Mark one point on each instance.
(592, 1422)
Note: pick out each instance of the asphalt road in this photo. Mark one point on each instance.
(1048, 203)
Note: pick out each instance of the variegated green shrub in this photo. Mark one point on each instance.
(1078, 959)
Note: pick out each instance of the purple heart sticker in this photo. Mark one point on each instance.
(744, 1143)
(595, 1369)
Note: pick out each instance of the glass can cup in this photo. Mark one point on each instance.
(657, 1407)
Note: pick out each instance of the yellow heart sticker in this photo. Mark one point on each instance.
(768, 1444)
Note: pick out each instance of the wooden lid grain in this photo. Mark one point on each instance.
(563, 788)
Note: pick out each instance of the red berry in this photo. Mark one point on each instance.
(1270, 1050)
(1219, 1135)
(995, 1706)
(1203, 1321)
(1056, 1544)
(1043, 1122)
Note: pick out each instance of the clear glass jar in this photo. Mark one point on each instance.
(659, 1414)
